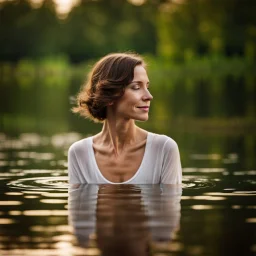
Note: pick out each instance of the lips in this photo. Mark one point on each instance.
(144, 107)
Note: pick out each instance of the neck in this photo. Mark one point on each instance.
(119, 134)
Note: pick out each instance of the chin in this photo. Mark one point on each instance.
(142, 119)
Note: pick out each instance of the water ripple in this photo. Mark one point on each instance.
(188, 183)
(59, 183)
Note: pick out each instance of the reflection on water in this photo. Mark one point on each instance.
(124, 219)
(215, 215)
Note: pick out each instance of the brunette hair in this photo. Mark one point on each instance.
(106, 84)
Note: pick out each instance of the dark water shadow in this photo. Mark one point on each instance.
(124, 219)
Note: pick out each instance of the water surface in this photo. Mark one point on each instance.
(213, 213)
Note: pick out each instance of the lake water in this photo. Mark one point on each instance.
(212, 213)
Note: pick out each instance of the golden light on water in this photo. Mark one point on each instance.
(206, 156)
(49, 252)
(186, 197)
(35, 155)
(251, 220)
(33, 192)
(211, 198)
(203, 170)
(166, 246)
(6, 221)
(202, 207)
(66, 238)
(64, 245)
(10, 203)
(45, 213)
(48, 194)
(237, 193)
(14, 193)
(59, 228)
(53, 201)
(236, 207)
(206, 197)
(15, 213)
(251, 206)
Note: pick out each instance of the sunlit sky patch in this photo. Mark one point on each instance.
(137, 2)
(63, 7)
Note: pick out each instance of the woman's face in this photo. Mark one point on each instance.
(135, 102)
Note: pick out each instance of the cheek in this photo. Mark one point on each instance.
(129, 102)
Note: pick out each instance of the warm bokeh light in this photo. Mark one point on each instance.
(137, 2)
(63, 7)
(36, 3)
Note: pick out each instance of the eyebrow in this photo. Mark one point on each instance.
(139, 82)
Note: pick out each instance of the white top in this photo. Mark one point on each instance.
(160, 163)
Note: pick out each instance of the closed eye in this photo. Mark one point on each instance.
(135, 86)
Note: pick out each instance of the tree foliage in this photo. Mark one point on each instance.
(177, 29)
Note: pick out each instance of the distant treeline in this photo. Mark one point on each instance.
(175, 30)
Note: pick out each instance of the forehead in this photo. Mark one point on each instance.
(140, 74)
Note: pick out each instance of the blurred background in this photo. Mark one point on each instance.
(201, 57)
(201, 62)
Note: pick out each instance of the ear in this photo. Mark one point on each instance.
(110, 104)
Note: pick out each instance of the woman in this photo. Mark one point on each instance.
(116, 94)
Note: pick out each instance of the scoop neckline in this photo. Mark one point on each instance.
(136, 173)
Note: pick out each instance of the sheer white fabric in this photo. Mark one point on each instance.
(160, 163)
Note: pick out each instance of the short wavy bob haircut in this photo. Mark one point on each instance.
(106, 84)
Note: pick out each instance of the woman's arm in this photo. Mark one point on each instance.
(171, 168)
(73, 167)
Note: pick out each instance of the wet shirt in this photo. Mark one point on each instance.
(160, 163)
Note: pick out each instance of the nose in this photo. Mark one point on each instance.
(147, 96)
